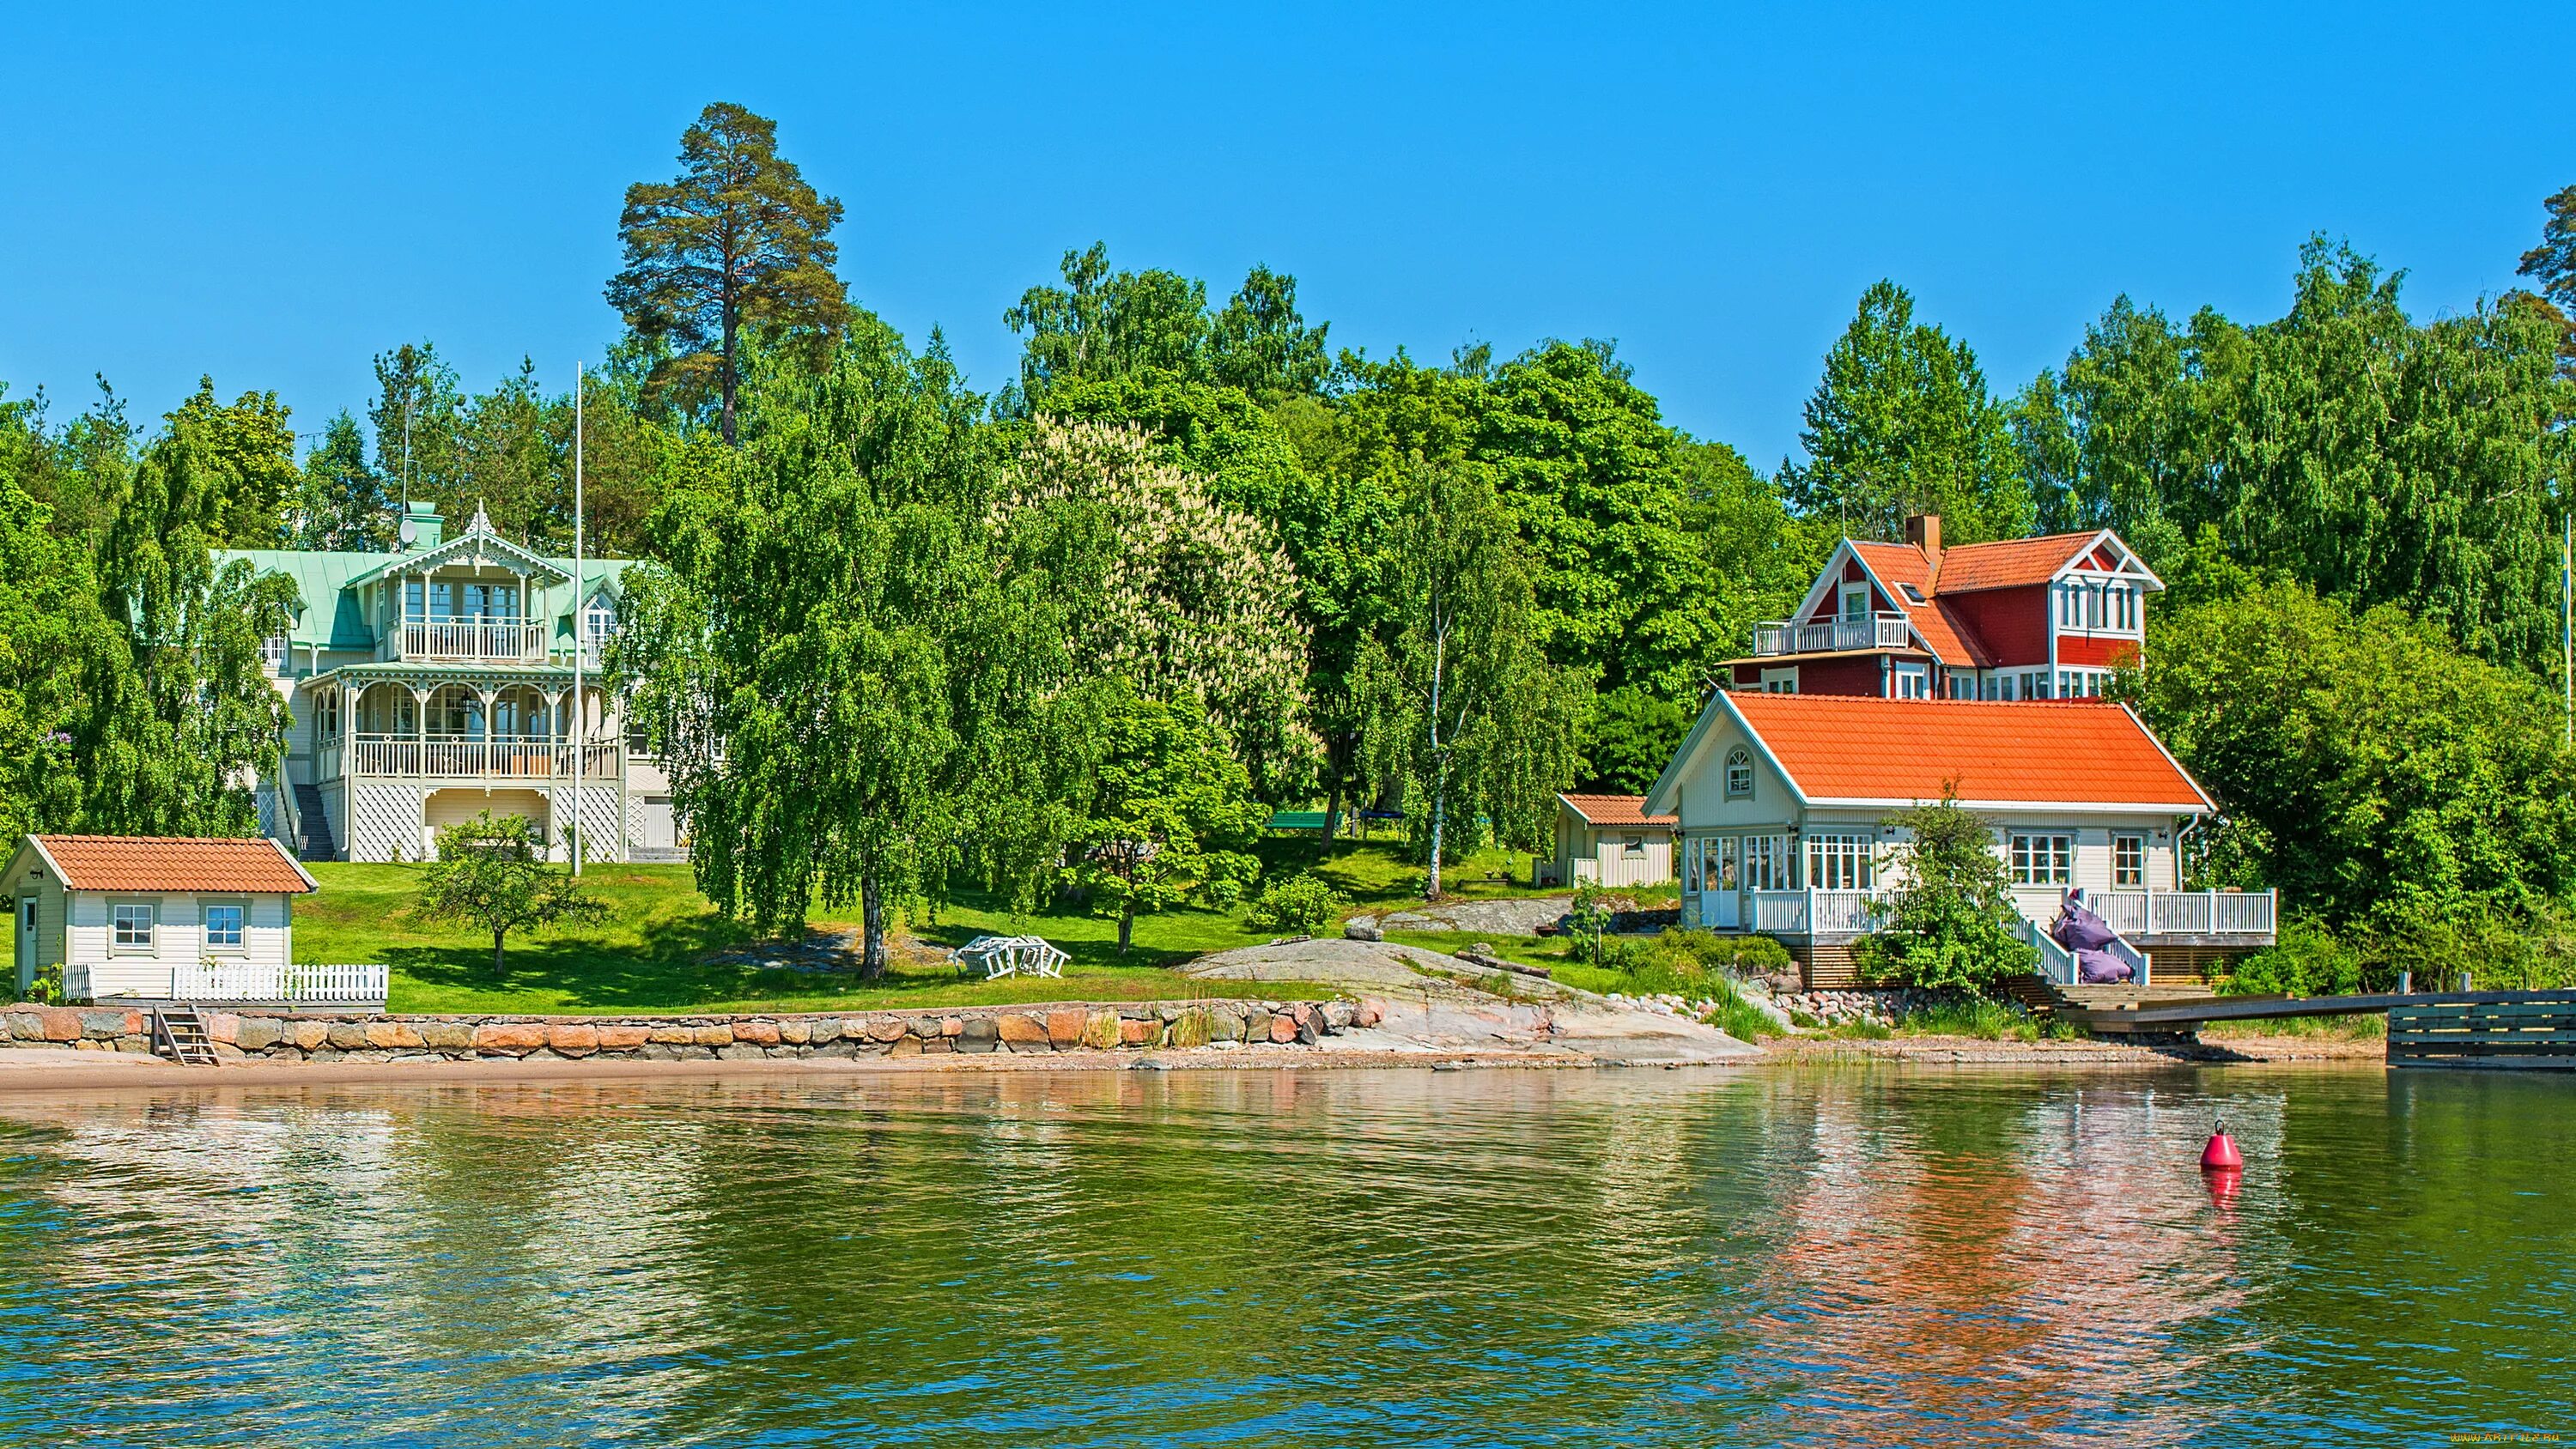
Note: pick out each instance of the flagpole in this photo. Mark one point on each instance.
(580, 633)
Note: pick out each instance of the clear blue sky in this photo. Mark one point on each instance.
(272, 198)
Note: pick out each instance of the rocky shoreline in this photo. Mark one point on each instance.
(279, 1036)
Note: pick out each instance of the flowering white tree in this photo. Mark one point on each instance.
(1194, 600)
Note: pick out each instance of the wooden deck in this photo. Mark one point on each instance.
(2530, 1030)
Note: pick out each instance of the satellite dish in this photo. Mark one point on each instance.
(407, 531)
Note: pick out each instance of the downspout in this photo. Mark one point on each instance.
(2181, 881)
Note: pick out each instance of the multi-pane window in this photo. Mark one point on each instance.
(132, 923)
(2043, 860)
(223, 928)
(2129, 862)
(1913, 681)
(1840, 863)
(1766, 863)
(1739, 773)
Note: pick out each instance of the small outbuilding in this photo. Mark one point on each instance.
(1608, 841)
(152, 918)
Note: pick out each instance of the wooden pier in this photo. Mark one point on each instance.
(2529, 1031)
(2515, 1030)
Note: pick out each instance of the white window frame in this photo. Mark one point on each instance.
(1739, 761)
(1910, 681)
(241, 933)
(1780, 681)
(1767, 864)
(2041, 857)
(117, 944)
(2136, 840)
(1633, 848)
(1855, 594)
(1842, 860)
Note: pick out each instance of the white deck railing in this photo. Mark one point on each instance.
(510, 640)
(2186, 913)
(1881, 631)
(296, 984)
(451, 757)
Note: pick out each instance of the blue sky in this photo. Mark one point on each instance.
(274, 196)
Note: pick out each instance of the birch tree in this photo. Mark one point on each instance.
(1463, 707)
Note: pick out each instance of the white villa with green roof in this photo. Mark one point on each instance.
(437, 682)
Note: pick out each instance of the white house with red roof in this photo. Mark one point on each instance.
(2027, 618)
(1609, 841)
(1783, 802)
(152, 919)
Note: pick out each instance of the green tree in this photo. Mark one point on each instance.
(342, 502)
(418, 417)
(1167, 816)
(2552, 264)
(1463, 706)
(856, 691)
(250, 448)
(1192, 600)
(2379, 778)
(176, 713)
(491, 873)
(1629, 735)
(1902, 423)
(1948, 925)
(1102, 325)
(739, 240)
(49, 623)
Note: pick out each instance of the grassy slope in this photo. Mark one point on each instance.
(647, 956)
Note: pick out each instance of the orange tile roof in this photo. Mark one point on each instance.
(1839, 747)
(1615, 810)
(1896, 563)
(2008, 564)
(161, 863)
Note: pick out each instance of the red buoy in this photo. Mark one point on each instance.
(2221, 1154)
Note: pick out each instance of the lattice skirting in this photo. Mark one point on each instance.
(603, 813)
(383, 820)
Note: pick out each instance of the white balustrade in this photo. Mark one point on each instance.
(1826, 636)
(513, 640)
(471, 757)
(295, 984)
(1784, 912)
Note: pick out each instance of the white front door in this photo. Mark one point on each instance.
(1724, 880)
(26, 956)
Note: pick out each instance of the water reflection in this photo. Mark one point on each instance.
(1860, 1256)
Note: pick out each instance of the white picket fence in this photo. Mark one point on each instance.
(297, 984)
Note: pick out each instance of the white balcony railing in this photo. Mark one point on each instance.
(451, 757)
(1826, 636)
(511, 641)
(2187, 913)
(292, 985)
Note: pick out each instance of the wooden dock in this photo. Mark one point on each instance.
(2520, 1030)
(2530, 1031)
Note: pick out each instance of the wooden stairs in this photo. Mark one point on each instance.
(179, 1033)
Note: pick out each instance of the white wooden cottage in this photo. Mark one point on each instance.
(168, 919)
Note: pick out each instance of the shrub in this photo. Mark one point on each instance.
(1587, 924)
(47, 988)
(1295, 906)
(2306, 961)
(1949, 926)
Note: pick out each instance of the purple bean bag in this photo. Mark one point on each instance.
(2087, 935)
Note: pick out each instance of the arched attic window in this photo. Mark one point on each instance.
(1739, 773)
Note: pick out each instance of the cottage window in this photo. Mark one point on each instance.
(224, 928)
(1766, 863)
(1739, 773)
(132, 926)
(2129, 862)
(1841, 863)
(2043, 860)
(1633, 848)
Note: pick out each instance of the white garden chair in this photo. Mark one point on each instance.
(1011, 956)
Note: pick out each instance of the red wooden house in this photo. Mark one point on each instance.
(2028, 618)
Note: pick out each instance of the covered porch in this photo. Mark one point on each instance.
(463, 729)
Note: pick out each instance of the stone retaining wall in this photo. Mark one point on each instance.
(1053, 1027)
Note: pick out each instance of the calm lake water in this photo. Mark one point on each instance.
(1879, 1255)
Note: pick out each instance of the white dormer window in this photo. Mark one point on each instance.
(598, 619)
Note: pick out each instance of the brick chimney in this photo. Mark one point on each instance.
(1923, 530)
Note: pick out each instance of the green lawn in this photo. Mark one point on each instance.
(648, 956)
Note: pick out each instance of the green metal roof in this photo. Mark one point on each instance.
(325, 581)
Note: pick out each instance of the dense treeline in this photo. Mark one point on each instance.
(1450, 586)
